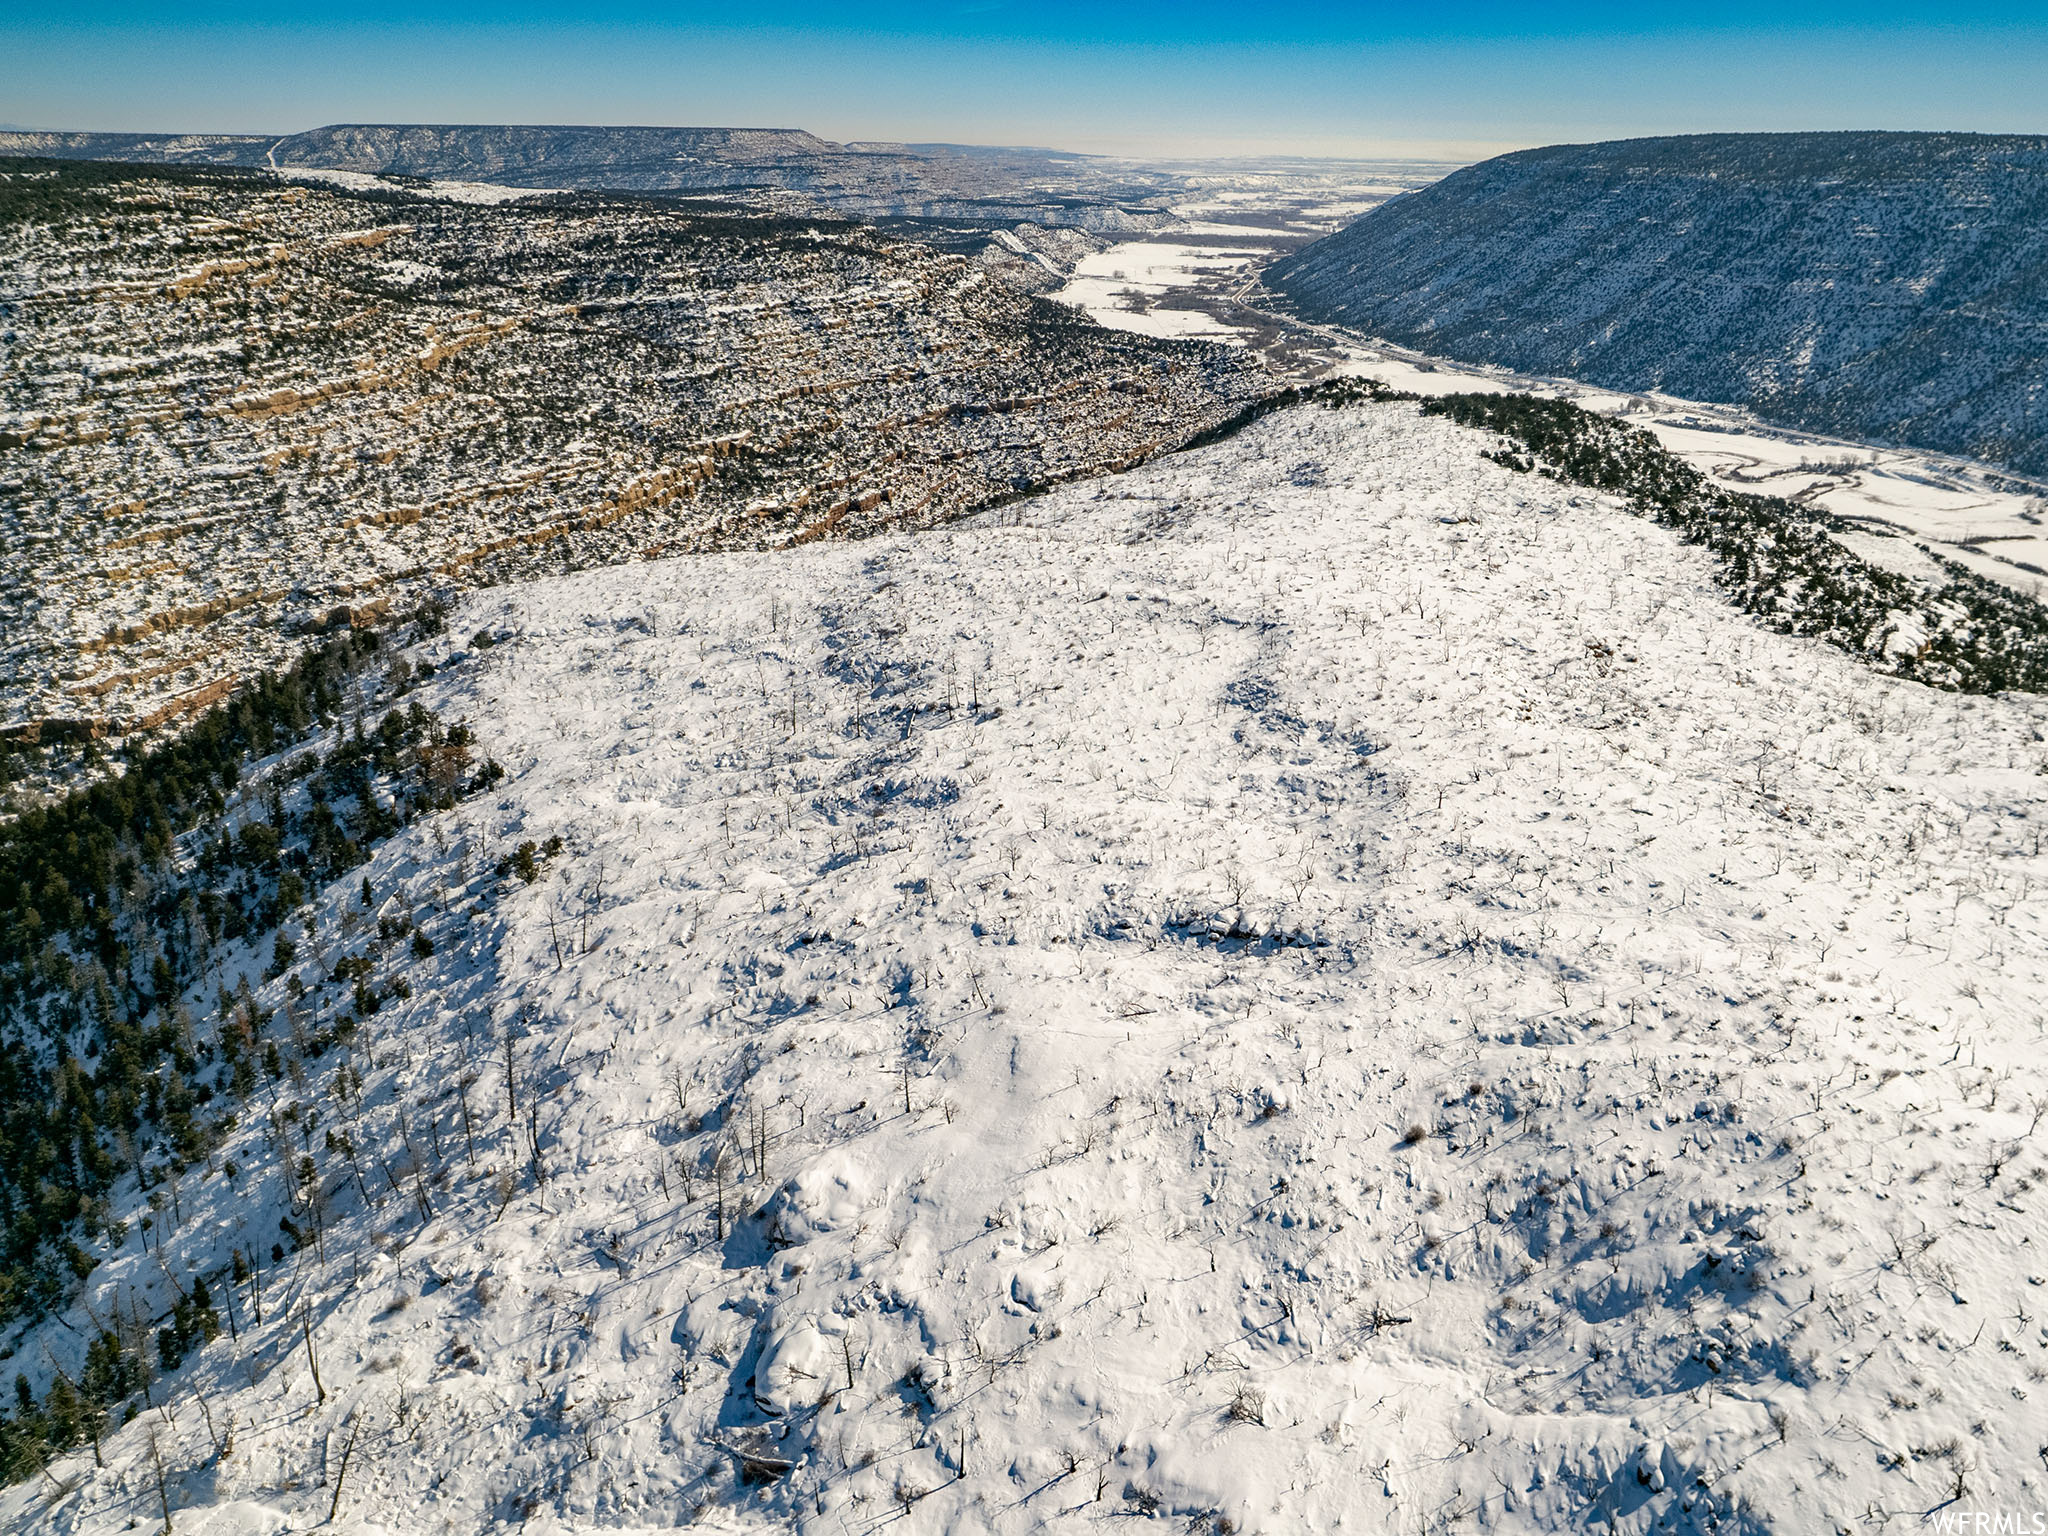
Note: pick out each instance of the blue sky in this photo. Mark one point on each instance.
(1145, 77)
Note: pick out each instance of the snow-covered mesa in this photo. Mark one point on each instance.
(1316, 985)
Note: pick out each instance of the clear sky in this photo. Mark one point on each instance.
(1152, 77)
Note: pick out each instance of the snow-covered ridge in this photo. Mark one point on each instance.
(1318, 984)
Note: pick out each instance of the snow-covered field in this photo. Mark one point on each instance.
(1185, 279)
(1996, 529)
(1315, 985)
(448, 191)
(1121, 286)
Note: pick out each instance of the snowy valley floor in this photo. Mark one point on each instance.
(1316, 985)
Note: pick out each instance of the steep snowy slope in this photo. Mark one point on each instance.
(1317, 985)
(1882, 286)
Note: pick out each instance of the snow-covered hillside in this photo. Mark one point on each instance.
(1886, 287)
(1316, 985)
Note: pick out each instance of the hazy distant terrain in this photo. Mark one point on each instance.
(931, 180)
(1887, 286)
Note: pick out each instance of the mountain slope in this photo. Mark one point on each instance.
(1318, 984)
(234, 412)
(1883, 286)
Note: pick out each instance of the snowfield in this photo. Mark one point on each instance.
(1119, 286)
(1315, 985)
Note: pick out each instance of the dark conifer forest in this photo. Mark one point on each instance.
(129, 1037)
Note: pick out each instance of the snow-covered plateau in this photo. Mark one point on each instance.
(1317, 984)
